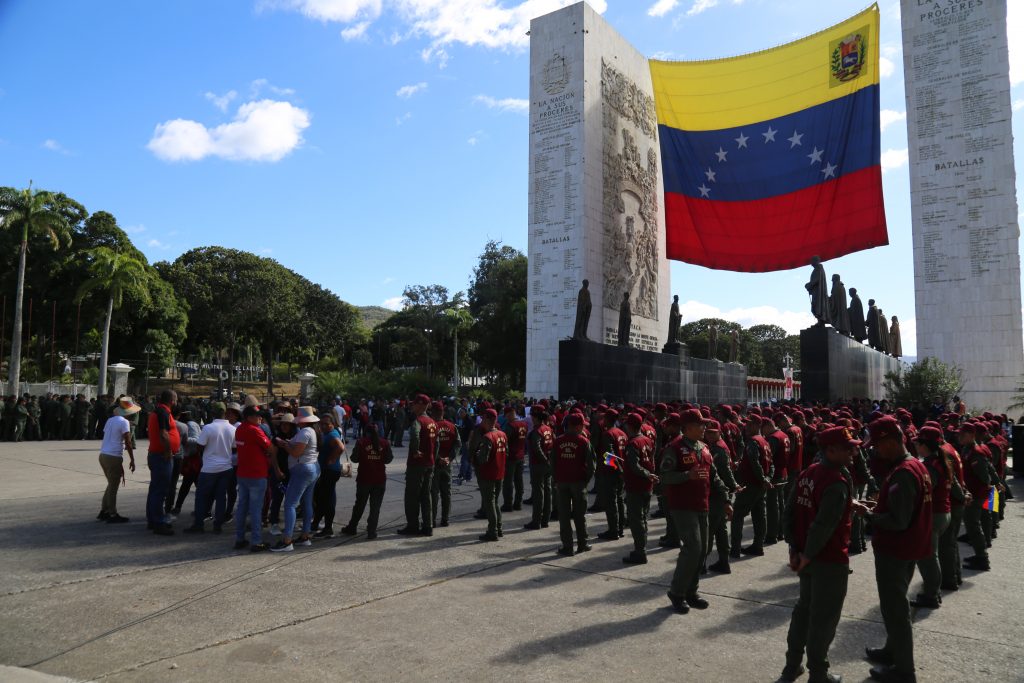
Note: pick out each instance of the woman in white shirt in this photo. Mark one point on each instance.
(303, 471)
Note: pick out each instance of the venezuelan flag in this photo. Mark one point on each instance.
(773, 157)
(992, 502)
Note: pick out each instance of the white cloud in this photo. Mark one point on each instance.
(394, 303)
(334, 10)
(666, 55)
(1018, 104)
(512, 104)
(266, 130)
(886, 67)
(266, 251)
(891, 116)
(355, 31)
(135, 229)
(791, 321)
(157, 244)
(407, 91)
(894, 158)
(261, 84)
(472, 141)
(399, 120)
(661, 8)
(701, 6)
(55, 146)
(221, 101)
(387, 281)
(1015, 36)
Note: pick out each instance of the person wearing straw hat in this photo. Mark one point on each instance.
(303, 450)
(116, 438)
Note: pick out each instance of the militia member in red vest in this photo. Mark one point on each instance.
(670, 429)
(573, 469)
(689, 475)
(949, 545)
(984, 432)
(945, 487)
(638, 480)
(164, 442)
(817, 528)
(491, 457)
(979, 475)
(718, 529)
(373, 455)
(612, 442)
(754, 479)
(776, 498)
(541, 443)
(902, 534)
(516, 431)
(419, 470)
(448, 446)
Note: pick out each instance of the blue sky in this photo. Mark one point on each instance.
(370, 144)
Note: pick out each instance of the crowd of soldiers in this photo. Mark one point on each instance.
(820, 478)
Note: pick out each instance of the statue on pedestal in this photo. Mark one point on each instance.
(734, 346)
(817, 287)
(872, 325)
(856, 312)
(895, 342)
(674, 320)
(712, 342)
(883, 334)
(582, 312)
(625, 320)
(837, 306)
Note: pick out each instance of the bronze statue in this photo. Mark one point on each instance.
(582, 312)
(872, 323)
(674, 320)
(895, 342)
(856, 312)
(883, 334)
(625, 320)
(734, 346)
(817, 287)
(712, 342)
(837, 306)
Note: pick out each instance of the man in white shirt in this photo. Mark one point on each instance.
(215, 443)
(116, 438)
(339, 414)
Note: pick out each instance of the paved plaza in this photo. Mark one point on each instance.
(91, 601)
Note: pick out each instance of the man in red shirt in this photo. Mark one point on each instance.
(490, 456)
(255, 458)
(516, 431)
(164, 442)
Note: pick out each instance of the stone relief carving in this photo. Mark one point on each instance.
(630, 194)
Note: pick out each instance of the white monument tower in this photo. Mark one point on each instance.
(964, 204)
(596, 208)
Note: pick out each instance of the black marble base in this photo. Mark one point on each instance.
(596, 372)
(835, 367)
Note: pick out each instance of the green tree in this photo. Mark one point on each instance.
(923, 381)
(696, 336)
(497, 301)
(458, 320)
(114, 274)
(29, 213)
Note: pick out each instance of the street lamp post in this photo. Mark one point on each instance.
(148, 350)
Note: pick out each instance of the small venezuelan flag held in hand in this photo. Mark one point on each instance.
(611, 460)
(992, 502)
(774, 157)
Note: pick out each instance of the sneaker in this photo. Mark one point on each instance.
(697, 602)
(324, 533)
(275, 529)
(566, 550)
(349, 530)
(791, 673)
(116, 519)
(678, 603)
(259, 547)
(282, 547)
(583, 547)
(304, 541)
(241, 544)
(103, 516)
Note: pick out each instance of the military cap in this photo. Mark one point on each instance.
(884, 427)
(634, 421)
(837, 436)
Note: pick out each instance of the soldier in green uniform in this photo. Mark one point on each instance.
(80, 416)
(448, 446)
(490, 455)
(670, 427)
(639, 480)
(978, 479)
(718, 530)
(540, 443)
(611, 440)
(863, 483)
(945, 487)
(33, 430)
(419, 470)
(901, 523)
(816, 522)
(753, 479)
(573, 469)
(20, 419)
(688, 474)
(778, 440)
(67, 425)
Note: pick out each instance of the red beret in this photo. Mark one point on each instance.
(713, 425)
(884, 427)
(574, 420)
(489, 414)
(691, 416)
(672, 419)
(421, 398)
(634, 421)
(611, 415)
(437, 405)
(539, 413)
(754, 419)
(929, 435)
(837, 436)
(662, 407)
(968, 428)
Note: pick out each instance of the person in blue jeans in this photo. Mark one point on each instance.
(303, 471)
(255, 458)
(164, 443)
(325, 496)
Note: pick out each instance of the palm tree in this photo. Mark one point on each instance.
(114, 273)
(459, 320)
(33, 214)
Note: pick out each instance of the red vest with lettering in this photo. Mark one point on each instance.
(795, 463)
(914, 542)
(646, 429)
(734, 437)
(615, 441)
(371, 462)
(976, 486)
(941, 484)
(958, 469)
(692, 494)
(494, 468)
(810, 488)
(632, 482)
(779, 443)
(570, 458)
(445, 441)
(546, 436)
(745, 473)
(517, 440)
(428, 440)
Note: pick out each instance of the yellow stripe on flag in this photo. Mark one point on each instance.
(737, 91)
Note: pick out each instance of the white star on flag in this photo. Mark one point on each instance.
(721, 154)
(795, 140)
(741, 141)
(829, 170)
(769, 135)
(704, 190)
(815, 156)
(711, 175)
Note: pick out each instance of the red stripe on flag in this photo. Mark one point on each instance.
(829, 220)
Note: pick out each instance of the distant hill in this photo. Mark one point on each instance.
(374, 315)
